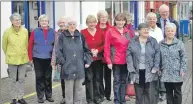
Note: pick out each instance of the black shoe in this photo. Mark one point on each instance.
(108, 98)
(22, 101)
(14, 101)
(63, 101)
(50, 99)
(40, 101)
(102, 99)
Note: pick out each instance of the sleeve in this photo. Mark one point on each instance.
(177, 29)
(183, 58)
(101, 48)
(60, 56)
(87, 53)
(30, 46)
(107, 46)
(129, 59)
(156, 56)
(5, 42)
(53, 60)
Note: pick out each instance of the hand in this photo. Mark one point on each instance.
(182, 74)
(153, 71)
(31, 61)
(110, 66)
(86, 65)
(93, 52)
(54, 67)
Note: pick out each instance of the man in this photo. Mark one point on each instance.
(161, 22)
(164, 18)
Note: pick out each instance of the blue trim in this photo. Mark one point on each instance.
(38, 11)
(43, 9)
(12, 7)
(26, 14)
(53, 3)
(135, 14)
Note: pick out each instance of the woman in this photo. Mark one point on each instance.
(73, 55)
(156, 33)
(40, 49)
(116, 43)
(95, 41)
(62, 25)
(143, 60)
(103, 25)
(15, 43)
(173, 64)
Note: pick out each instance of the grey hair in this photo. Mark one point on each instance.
(151, 14)
(143, 25)
(62, 18)
(170, 26)
(14, 16)
(43, 16)
(163, 6)
(71, 20)
(102, 12)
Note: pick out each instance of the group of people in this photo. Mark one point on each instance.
(154, 60)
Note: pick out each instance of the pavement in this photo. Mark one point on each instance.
(30, 94)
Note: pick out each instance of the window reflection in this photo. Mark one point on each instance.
(18, 6)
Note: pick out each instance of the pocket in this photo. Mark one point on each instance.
(65, 67)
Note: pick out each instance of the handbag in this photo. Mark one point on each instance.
(130, 90)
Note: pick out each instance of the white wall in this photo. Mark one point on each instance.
(5, 23)
(141, 12)
(91, 8)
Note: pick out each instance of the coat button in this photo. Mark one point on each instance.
(74, 55)
(74, 74)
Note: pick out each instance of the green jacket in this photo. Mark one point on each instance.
(15, 46)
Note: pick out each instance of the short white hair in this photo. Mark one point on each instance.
(62, 18)
(170, 26)
(101, 13)
(15, 16)
(150, 14)
(71, 20)
(43, 16)
(163, 6)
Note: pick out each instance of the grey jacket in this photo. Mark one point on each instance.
(72, 54)
(173, 61)
(152, 57)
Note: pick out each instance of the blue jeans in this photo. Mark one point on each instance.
(120, 74)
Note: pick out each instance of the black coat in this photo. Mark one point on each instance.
(72, 53)
(172, 21)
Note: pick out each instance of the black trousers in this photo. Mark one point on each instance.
(43, 72)
(63, 87)
(92, 81)
(120, 74)
(107, 78)
(142, 89)
(154, 92)
(173, 92)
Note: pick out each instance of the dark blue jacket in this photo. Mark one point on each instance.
(72, 53)
(43, 47)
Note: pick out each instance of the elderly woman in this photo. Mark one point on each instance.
(15, 43)
(155, 32)
(73, 55)
(103, 25)
(173, 64)
(95, 40)
(143, 60)
(40, 49)
(62, 24)
(116, 43)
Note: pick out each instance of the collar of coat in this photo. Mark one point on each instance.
(175, 41)
(136, 38)
(170, 19)
(67, 33)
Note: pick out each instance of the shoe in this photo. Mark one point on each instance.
(40, 101)
(22, 101)
(50, 99)
(108, 98)
(97, 101)
(63, 101)
(102, 99)
(14, 101)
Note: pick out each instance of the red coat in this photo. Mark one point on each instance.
(119, 43)
(95, 42)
